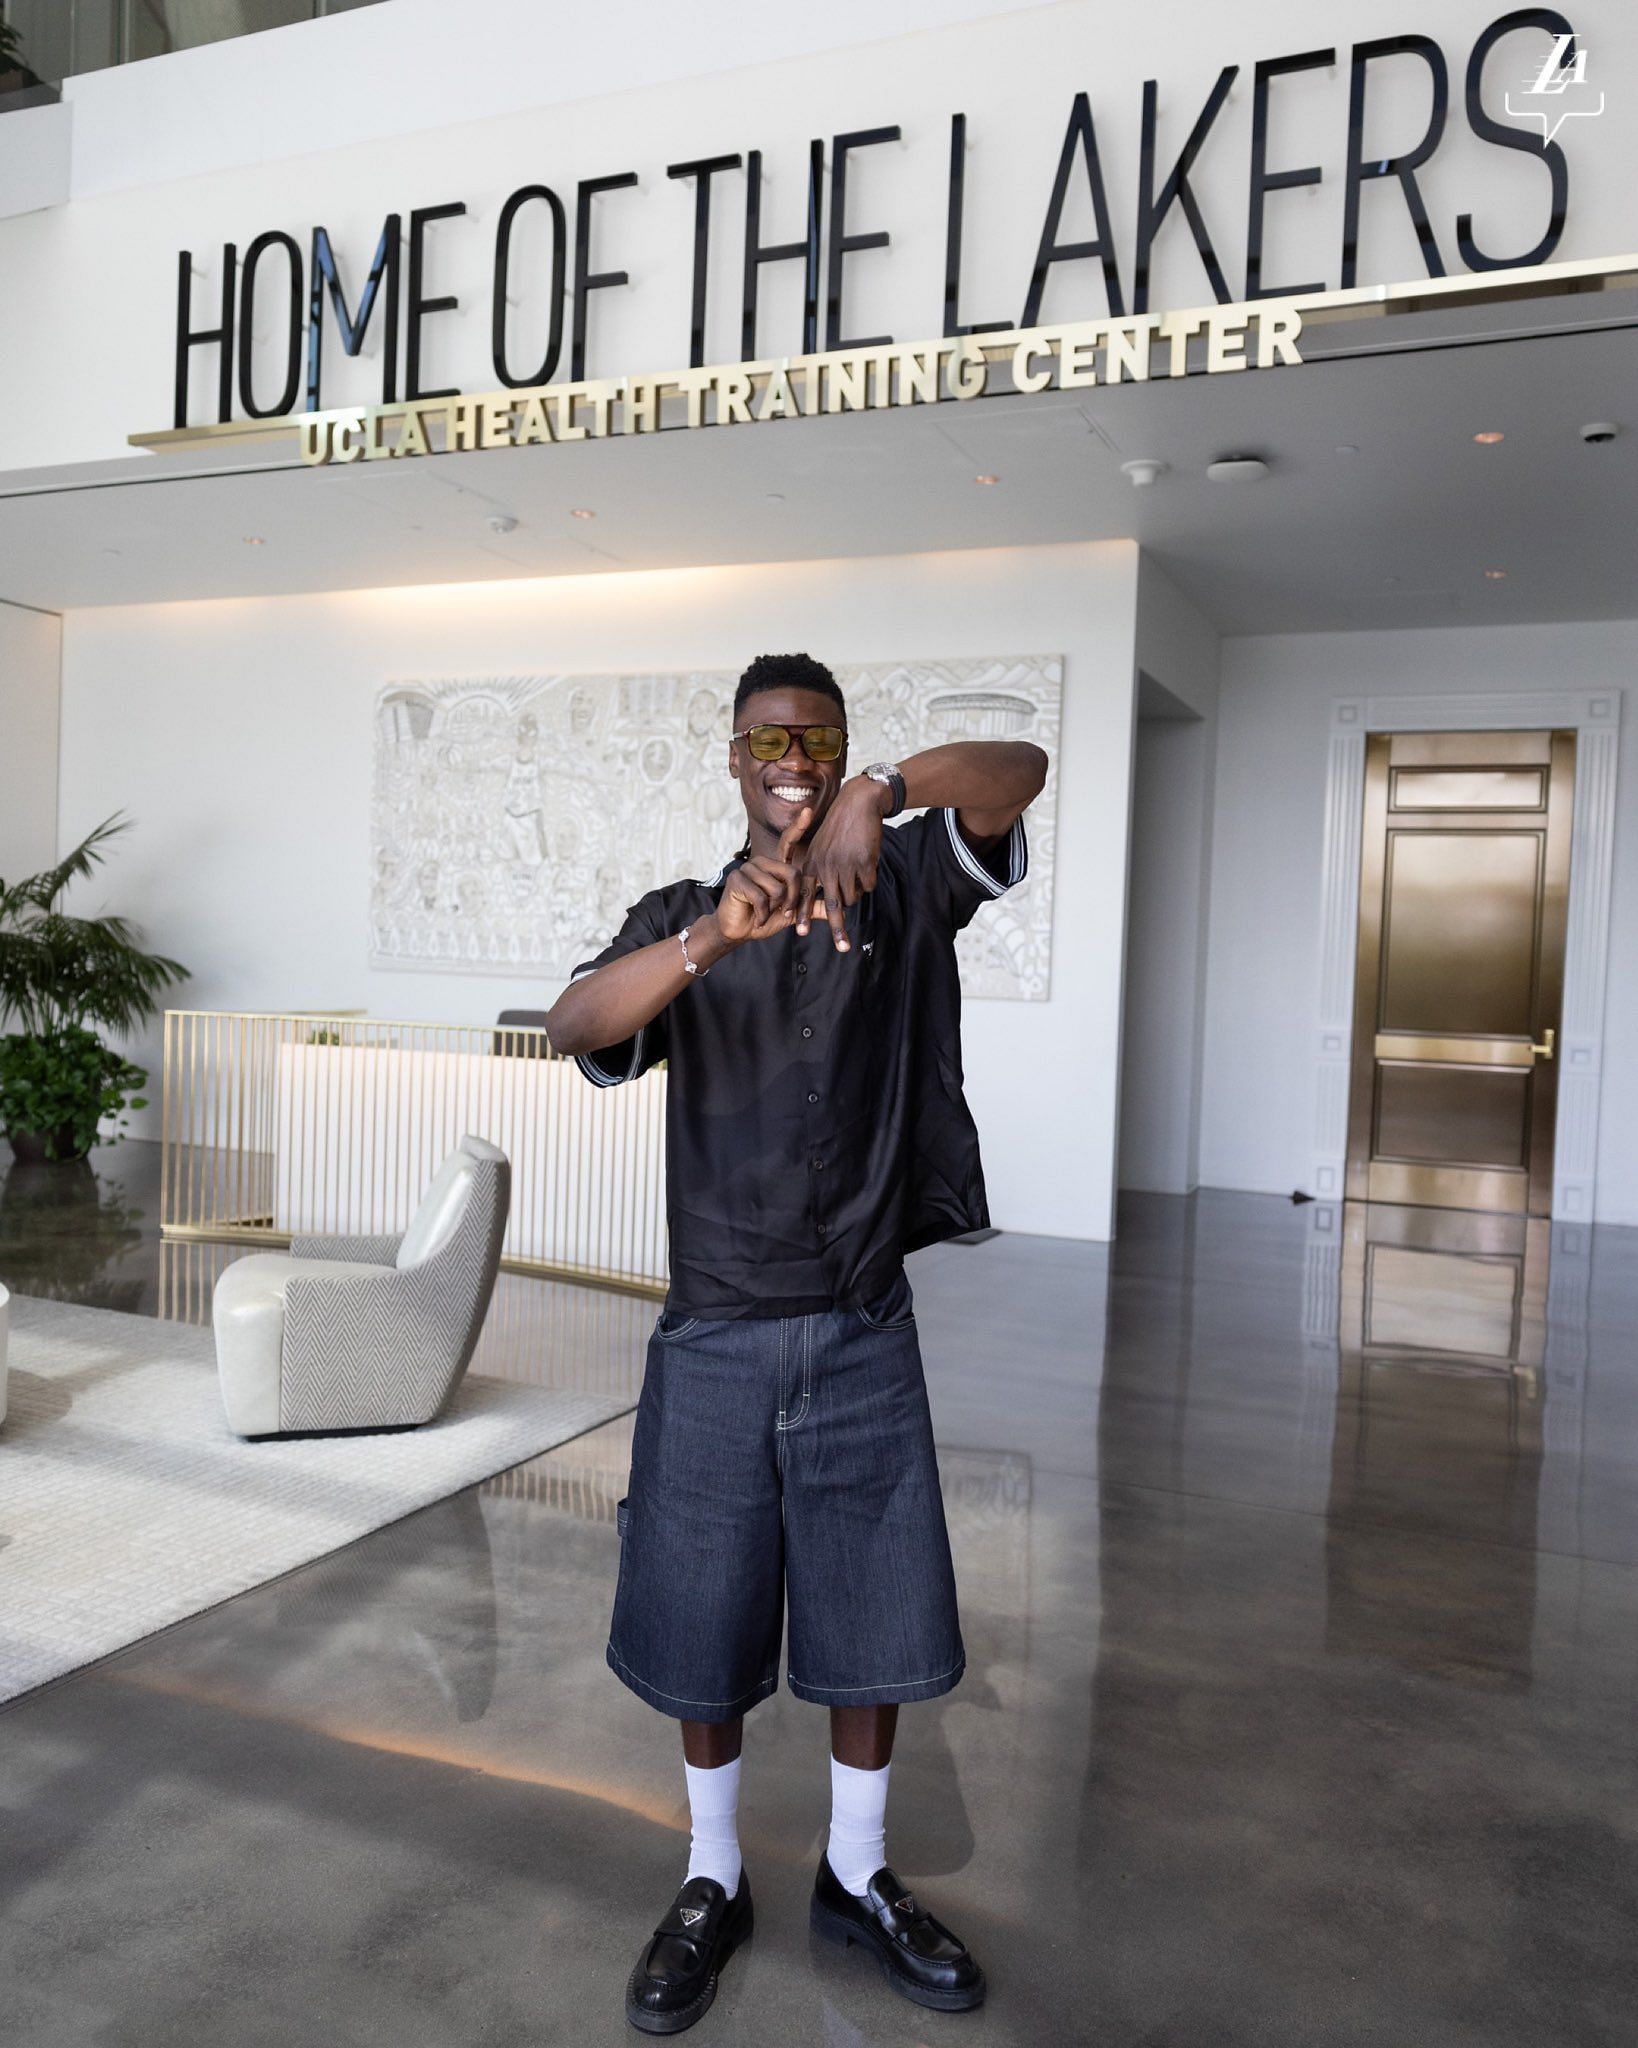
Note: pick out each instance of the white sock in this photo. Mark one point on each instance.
(858, 1825)
(713, 1801)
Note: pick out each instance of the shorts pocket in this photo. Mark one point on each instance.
(894, 1309)
(622, 1515)
(669, 1326)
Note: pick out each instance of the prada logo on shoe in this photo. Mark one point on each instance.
(905, 1905)
(691, 1916)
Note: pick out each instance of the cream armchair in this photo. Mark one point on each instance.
(365, 1332)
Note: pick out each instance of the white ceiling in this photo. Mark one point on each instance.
(1397, 533)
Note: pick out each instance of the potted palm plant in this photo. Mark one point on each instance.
(60, 977)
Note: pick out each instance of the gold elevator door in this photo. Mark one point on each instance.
(1463, 890)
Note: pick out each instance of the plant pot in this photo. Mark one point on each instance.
(35, 1148)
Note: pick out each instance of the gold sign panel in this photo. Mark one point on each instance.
(1258, 334)
(1061, 358)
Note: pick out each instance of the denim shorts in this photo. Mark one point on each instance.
(785, 1460)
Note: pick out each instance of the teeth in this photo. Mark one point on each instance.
(792, 793)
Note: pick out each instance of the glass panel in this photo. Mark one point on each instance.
(1459, 951)
(1452, 1118)
(60, 38)
(1468, 789)
(43, 31)
(158, 26)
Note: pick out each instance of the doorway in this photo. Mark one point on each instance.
(1464, 888)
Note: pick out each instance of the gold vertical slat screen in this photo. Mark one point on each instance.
(279, 1125)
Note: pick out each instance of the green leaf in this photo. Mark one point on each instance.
(60, 973)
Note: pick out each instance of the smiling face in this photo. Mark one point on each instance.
(775, 792)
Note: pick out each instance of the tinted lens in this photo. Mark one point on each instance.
(768, 742)
(822, 742)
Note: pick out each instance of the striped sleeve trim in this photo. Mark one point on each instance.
(588, 1063)
(1017, 856)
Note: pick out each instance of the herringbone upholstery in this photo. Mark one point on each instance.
(382, 1346)
(366, 1251)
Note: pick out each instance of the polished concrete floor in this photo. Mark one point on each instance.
(1299, 1567)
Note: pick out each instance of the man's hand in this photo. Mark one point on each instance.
(840, 865)
(762, 896)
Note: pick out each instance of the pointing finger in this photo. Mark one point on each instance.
(794, 830)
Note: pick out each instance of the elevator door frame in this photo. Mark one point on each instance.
(1594, 715)
(1371, 1176)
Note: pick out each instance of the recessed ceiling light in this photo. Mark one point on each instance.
(776, 497)
(581, 512)
(1237, 469)
(1495, 575)
(1347, 448)
(1489, 438)
(254, 540)
(986, 479)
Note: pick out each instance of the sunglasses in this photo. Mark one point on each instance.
(773, 742)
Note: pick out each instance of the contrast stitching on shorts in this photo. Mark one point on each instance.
(683, 1700)
(788, 1420)
(879, 1684)
(884, 1329)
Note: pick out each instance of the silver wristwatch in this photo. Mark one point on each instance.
(887, 773)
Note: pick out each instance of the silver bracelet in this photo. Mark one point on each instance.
(689, 966)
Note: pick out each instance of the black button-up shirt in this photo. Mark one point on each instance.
(816, 1129)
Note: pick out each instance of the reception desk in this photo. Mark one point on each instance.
(284, 1125)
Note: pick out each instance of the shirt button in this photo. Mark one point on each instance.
(801, 967)
(812, 1096)
(807, 1030)
(818, 1165)
(821, 1228)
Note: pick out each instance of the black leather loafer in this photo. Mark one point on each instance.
(676, 1975)
(919, 1956)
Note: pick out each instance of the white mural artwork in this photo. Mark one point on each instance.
(515, 819)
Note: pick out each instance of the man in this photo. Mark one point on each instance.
(807, 1003)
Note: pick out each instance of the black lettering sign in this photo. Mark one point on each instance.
(503, 270)
(1405, 167)
(586, 280)
(1489, 130)
(326, 276)
(420, 305)
(702, 171)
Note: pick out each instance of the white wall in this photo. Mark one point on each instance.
(30, 652)
(238, 734)
(1258, 1110)
(1169, 891)
(228, 153)
(34, 158)
(293, 91)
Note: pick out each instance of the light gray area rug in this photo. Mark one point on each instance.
(126, 1503)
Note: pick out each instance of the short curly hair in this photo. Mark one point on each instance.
(788, 672)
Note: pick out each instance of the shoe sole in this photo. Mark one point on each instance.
(832, 1927)
(680, 2021)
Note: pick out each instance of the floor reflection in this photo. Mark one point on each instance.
(1441, 1343)
(1297, 1555)
(1444, 1284)
(71, 1233)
